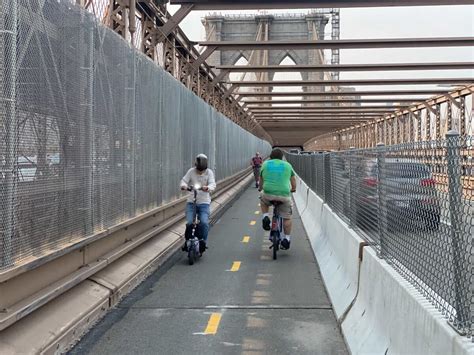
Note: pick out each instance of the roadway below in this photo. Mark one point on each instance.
(235, 300)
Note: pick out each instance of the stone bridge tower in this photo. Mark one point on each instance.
(267, 28)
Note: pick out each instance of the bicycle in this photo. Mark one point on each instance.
(193, 242)
(276, 229)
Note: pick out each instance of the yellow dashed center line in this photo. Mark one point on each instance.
(257, 212)
(213, 324)
(252, 223)
(235, 266)
(246, 239)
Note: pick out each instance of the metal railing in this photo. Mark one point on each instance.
(411, 203)
(92, 133)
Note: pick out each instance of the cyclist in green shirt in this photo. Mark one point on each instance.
(278, 181)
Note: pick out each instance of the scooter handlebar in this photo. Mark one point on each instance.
(194, 188)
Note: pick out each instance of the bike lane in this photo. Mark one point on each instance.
(235, 300)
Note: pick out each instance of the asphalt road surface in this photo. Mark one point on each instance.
(234, 300)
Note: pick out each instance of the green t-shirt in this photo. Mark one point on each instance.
(276, 177)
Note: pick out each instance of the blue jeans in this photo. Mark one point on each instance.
(203, 211)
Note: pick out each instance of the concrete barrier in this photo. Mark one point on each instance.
(336, 249)
(301, 195)
(379, 312)
(391, 317)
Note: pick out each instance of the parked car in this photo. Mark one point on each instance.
(411, 194)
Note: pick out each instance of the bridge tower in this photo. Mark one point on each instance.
(266, 27)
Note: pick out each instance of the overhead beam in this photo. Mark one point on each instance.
(173, 22)
(296, 114)
(305, 4)
(334, 44)
(326, 108)
(313, 122)
(342, 93)
(202, 58)
(223, 73)
(306, 83)
(314, 117)
(256, 103)
(340, 43)
(345, 67)
(316, 120)
(303, 119)
(270, 126)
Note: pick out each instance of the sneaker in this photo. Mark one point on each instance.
(266, 223)
(285, 244)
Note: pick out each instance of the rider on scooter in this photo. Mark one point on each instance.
(204, 177)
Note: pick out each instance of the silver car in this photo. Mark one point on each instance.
(410, 192)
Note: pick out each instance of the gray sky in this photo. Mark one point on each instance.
(403, 22)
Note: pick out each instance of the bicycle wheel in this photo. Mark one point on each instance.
(191, 257)
(275, 245)
(192, 253)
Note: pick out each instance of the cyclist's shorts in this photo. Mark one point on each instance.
(285, 210)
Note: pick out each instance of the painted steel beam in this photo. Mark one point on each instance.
(306, 83)
(304, 124)
(323, 119)
(257, 103)
(326, 108)
(243, 94)
(223, 73)
(318, 115)
(202, 58)
(305, 4)
(346, 67)
(173, 22)
(334, 44)
(340, 43)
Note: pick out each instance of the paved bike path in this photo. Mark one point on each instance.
(262, 307)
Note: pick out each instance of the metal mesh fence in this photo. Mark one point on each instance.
(414, 204)
(92, 132)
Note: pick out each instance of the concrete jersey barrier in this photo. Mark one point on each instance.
(379, 312)
(336, 252)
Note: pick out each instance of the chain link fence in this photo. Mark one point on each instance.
(414, 204)
(92, 132)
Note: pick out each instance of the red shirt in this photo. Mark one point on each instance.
(257, 161)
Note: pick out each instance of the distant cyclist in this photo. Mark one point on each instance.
(257, 162)
(202, 176)
(277, 181)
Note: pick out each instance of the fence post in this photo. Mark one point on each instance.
(459, 249)
(10, 70)
(352, 213)
(312, 159)
(382, 199)
(319, 177)
(327, 178)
